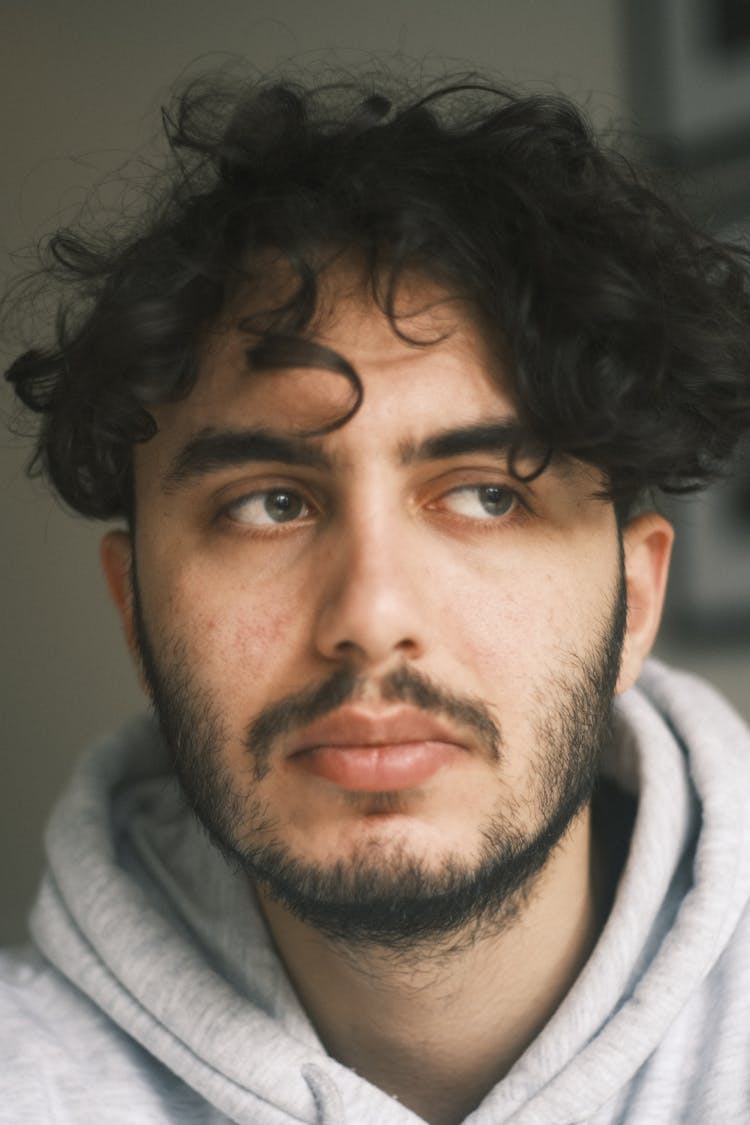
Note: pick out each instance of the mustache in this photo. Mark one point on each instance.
(402, 685)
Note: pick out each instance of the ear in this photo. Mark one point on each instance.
(116, 555)
(647, 545)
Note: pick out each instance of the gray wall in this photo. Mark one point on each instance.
(81, 85)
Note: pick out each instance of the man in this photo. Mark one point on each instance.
(381, 391)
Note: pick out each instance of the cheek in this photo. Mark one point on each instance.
(495, 622)
(517, 624)
(257, 637)
(225, 626)
(496, 648)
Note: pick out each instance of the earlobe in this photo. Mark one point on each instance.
(116, 555)
(647, 546)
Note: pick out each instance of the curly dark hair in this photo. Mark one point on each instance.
(625, 332)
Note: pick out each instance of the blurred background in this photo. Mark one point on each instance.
(82, 82)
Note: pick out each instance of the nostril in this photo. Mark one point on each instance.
(407, 645)
(346, 647)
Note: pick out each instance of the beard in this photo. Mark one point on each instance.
(388, 897)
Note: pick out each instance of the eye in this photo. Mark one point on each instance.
(267, 508)
(481, 501)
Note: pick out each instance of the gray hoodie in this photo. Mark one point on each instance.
(152, 993)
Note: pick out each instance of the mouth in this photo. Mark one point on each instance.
(371, 752)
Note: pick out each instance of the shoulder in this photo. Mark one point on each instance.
(46, 1025)
(32, 996)
(39, 1028)
(63, 1059)
(703, 1064)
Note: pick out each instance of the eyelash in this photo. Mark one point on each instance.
(504, 517)
(518, 510)
(228, 509)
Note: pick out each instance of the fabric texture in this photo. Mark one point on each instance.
(152, 992)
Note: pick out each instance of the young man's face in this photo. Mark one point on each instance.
(384, 665)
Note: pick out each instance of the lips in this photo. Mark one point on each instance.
(376, 751)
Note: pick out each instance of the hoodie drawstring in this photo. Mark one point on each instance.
(328, 1104)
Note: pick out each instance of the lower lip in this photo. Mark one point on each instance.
(378, 769)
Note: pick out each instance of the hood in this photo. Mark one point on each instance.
(145, 917)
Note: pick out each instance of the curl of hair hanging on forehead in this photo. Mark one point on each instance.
(624, 331)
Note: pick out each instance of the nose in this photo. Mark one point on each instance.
(369, 609)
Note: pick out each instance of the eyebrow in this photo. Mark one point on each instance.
(499, 437)
(211, 449)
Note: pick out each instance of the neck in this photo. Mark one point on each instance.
(393, 1017)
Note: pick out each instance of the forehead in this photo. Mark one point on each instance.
(431, 364)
